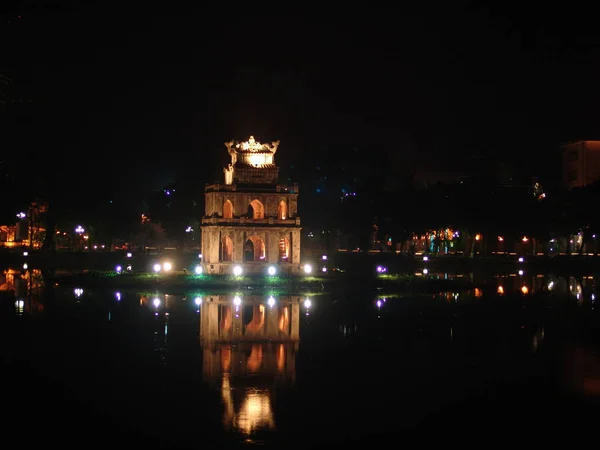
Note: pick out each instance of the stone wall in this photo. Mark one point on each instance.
(240, 200)
(211, 242)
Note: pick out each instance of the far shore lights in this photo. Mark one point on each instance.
(307, 268)
(157, 268)
(272, 270)
(167, 266)
(237, 270)
(156, 302)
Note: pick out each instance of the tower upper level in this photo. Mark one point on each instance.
(251, 162)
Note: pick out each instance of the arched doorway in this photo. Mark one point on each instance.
(256, 210)
(228, 209)
(254, 249)
(284, 319)
(282, 210)
(226, 249)
(258, 319)
(284, 249)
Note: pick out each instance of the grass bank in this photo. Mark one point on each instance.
(180, 281)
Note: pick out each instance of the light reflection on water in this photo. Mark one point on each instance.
(250, 345)
(253, 346)
(582, 288)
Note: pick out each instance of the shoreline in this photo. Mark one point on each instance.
(259, 283)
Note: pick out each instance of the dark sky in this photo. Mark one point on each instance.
(152, 95)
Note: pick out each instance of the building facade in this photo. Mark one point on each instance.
(580, 163)
(251, 220)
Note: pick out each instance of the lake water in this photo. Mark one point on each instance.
(513, 360)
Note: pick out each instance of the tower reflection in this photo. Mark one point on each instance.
(249, 349)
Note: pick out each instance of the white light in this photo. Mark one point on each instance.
(157, 267)
(156, 302)
(78, 292)
(271, 301)
(118, 296)
(118, 269)
(198, 301)
(20, 304)
(324, 269)
(167, 266)
(237, 301)
(272, 270)
(307, 303)
(520, 272)
(307, 268)
(425, 271)
(521, 259)
(129, 267)
(25, 266)
(237, 270)
(379, 303)
(79, 229)
(198, 270)
(425, 258)
(25, 253)
(129, 255)
(324, 257)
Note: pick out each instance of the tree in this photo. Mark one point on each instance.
(4, 83)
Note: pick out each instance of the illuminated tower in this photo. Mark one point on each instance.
(251, 220)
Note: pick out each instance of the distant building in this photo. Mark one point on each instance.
(251, 220)
(580, 163)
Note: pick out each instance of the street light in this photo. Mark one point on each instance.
(79, 230)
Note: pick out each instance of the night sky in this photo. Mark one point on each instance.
(141, 98)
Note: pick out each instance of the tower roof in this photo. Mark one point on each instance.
(251, 162)
(252, 146)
